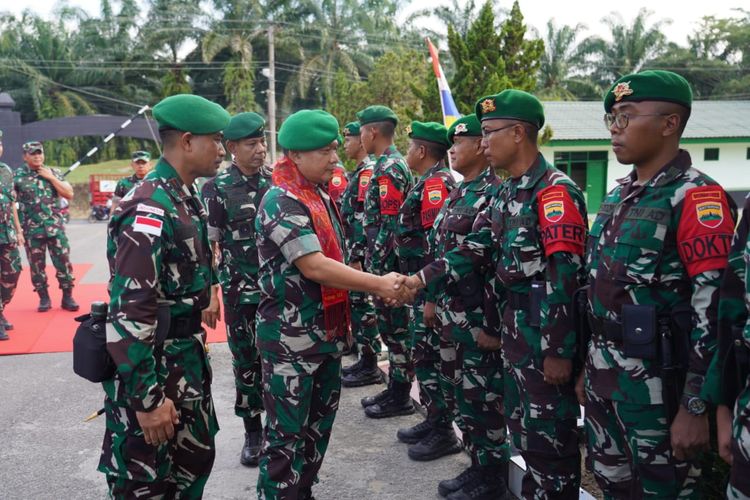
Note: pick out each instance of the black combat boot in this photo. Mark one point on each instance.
(440, 442)
(250, 455)
(305, 493)
(67, 301)
(355, 367)
(5, 323)
(44, 303)
(368, 374)
(448, 486)
(3, 335)
(396, 404)
(487, 485)
(377, 398)
(414, 434)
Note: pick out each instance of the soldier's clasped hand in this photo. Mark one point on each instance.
(158, 425)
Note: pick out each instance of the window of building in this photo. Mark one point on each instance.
(711, 154)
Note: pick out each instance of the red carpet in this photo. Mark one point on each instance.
(53, 331)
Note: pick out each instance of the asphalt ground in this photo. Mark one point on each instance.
(48, 452)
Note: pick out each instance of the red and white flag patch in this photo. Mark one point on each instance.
(147, 225)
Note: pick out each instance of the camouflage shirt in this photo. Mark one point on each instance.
(417, 215)
(7, 199)
(232, 199)
(663, 243)
(451, 226)
(290, 314)
(390, 182)
(38, 203)
(353, 209)
(159, 255)
(126, 184)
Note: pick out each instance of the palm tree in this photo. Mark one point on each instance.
(561, 73)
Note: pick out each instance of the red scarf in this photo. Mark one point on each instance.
(287, 176)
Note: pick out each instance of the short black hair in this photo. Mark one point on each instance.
(386, 128)
(434, 150)
(532, 131)
(169, 136)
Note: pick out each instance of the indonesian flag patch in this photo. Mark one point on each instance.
(148, 225)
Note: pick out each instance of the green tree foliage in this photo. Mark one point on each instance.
(561, 74)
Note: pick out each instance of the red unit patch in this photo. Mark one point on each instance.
(561, 224)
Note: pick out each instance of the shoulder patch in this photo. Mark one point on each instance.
(433, 197)
(142, 207)
(704, 234)
(363, 183)
(148, 225)
(390, 197)
(561, 224)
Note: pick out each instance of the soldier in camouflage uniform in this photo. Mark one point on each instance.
(161, 423)
(303, 315)
(141, 164)
(472, 377)
(655, 257)
(232, 199)
(535, 231)
(364, 323)
(11, 237)
(39, 189)
(429, 144)
(390, 182)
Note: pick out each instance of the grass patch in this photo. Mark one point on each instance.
(82, 173)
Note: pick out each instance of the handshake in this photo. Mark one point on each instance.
(397, 289)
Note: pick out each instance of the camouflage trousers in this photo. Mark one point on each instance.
(542, 421)
(10, 270)
(739, 478)
(450, 378)
(479, 400)
(301, 397)
(364, 323)
(393, 325)
(240, 324)
(59, 252)
(176, 469)
(426, 356)
(630, 452)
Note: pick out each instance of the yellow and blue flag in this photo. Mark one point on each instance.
(450, 111)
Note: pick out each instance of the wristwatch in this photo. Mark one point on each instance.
(694, 405)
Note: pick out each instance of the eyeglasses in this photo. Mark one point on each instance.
(486, 133)
(621, 120)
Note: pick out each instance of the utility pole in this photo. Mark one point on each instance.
(272, 92)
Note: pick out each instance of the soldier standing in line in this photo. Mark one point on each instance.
(232, 199)
(655, 258)
(434, 437)
(11, 237)
(535, 228)
(161, 423)
(141, 164)
(39, 189)
(303, 315)
(471, 367)
(364, 323)
(390, 182)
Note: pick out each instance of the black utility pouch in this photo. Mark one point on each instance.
(536, 297)
(639, 332)
(90, 357)
(163, 324)
(471, 292)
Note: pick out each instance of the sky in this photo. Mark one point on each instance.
(685, 14)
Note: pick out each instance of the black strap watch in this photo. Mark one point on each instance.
(694, 405)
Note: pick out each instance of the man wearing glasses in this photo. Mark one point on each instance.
(655, 258)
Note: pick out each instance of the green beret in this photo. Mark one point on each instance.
(351, 128)
(308, 129)
(377, 113)
(650, 85)
(467, 125)
(141, 155)
(511, 104)
(430, 132)
(245, 126)
(191, 113)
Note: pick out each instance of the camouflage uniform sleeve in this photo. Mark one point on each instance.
(285, 221)
(399, 185)
(58, 173)
(134, 296)
(434, 289)
(120, 190)
(706, 275)
(564, 246)
(215, 211)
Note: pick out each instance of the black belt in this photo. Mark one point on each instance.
(184, 327)
(606, 328)
(518, 301)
